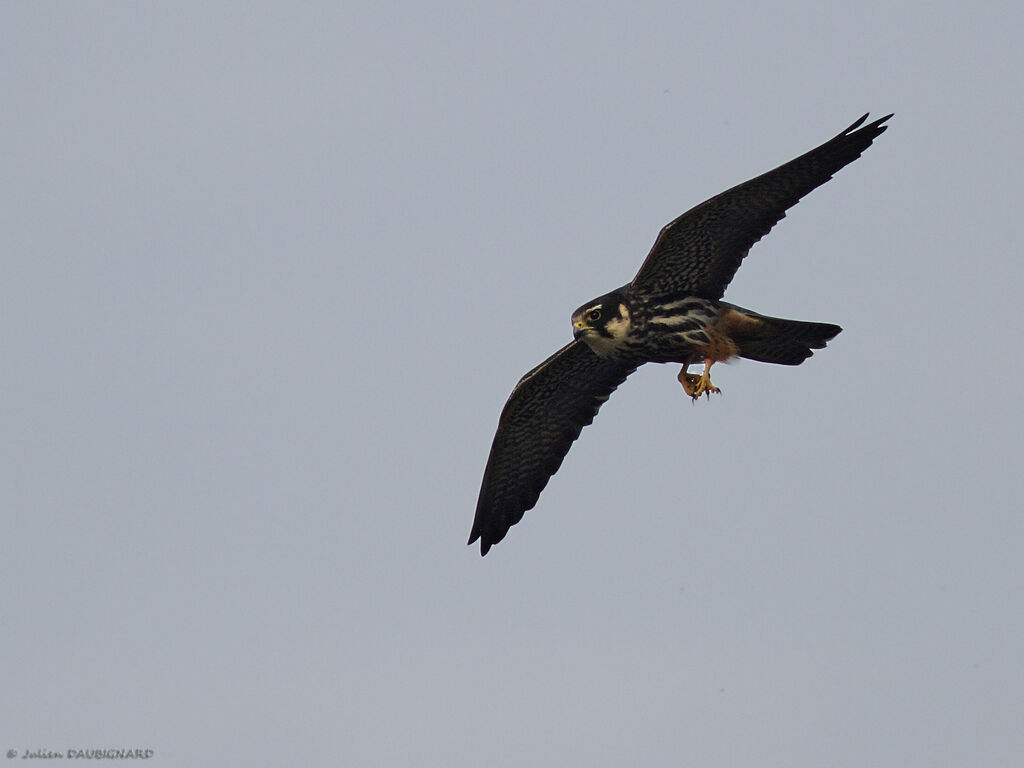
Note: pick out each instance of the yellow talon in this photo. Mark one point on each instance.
(690, 382)
(695, 385)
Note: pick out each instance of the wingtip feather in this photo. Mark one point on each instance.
(484, 544)
(875, 125)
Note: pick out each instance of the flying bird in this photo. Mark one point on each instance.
(672, 312)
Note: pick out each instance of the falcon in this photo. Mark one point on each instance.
(672, 312)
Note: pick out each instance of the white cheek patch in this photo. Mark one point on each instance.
(618, 327)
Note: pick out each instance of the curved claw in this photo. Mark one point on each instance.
(695, 385)
(690, 382)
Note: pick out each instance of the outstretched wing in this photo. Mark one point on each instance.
(543, 416)
(699, 252)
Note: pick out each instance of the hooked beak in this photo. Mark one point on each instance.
(578, 328)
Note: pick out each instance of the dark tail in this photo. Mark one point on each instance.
(785, 342)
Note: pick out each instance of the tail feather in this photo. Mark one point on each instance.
(784, 342)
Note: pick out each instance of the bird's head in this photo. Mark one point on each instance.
(602, 323)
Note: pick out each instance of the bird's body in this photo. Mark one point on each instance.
(635, 329)
(671, 312)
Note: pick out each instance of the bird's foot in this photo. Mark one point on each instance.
(695, 385)
(704, 387)
(689, 382)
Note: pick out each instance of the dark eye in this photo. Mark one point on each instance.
(594, 315)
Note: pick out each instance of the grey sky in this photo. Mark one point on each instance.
(271, 270)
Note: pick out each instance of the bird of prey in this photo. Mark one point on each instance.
(672, 312)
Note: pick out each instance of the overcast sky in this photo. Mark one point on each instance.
(271, 270)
